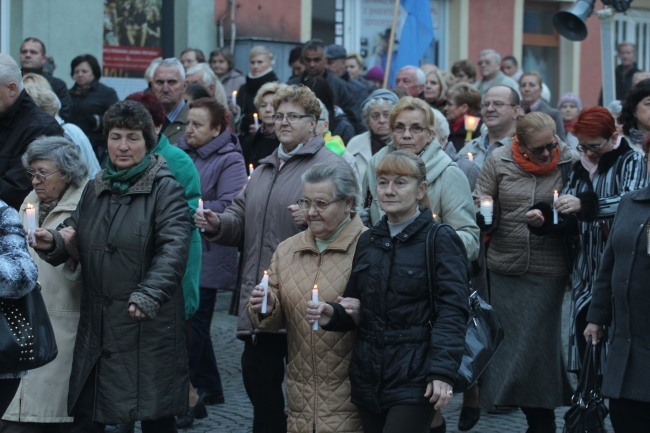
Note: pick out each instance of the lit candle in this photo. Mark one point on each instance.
(233, 99)
(435, 217)
(250, 170)
(314, 298)
(257, 122)
(200, 209)
(470, 156)
(471, 122)
(487, 209)
(30, 212)
(265, 285)
(555, 196)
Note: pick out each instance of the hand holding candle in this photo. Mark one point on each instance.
(555, 196)
(30, 213)
(487, 209)
(265, 286)
(314, 298)
(200, 209)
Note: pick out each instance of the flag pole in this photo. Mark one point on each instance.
(390, 44)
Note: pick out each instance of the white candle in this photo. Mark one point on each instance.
(487, 209)
(250, 170)
(470, 156)
(200, 209)
(555, 196)
(314, 298)
(234, 97)
(30, 212)
(265, 285)
(257, 122)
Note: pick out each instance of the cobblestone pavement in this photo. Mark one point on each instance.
(236, 414)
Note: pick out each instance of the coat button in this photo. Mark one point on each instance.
(387, 244)
(106, 353)
(108, 300)
(110, 248)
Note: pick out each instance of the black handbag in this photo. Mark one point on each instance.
(587, 412)
(26, 335)
(484, 331)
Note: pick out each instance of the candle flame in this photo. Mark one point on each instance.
(255, 115)
(29, 206)
(315, 287)
(471, 122)
(265, 273)
(234, 93)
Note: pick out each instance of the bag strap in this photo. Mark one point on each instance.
(589, 383)
(430, 259)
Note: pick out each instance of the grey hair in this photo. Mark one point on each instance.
(370, 105)
(340, 174)
(491, 52)
(441, 127)
(148, 74)
(10, 72)
(324, 113)
(63, 153)
(172, 61)
(419, 73)
(210, 79)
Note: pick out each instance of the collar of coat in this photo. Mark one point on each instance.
(144, 185)
(307, 242)
(606, 161)
(68, 202)
(309, 149)
(222, 143)
(381, 232)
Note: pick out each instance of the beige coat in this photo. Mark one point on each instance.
(42, 395)
(318, 389)
(513, 249)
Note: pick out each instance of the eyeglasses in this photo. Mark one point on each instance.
(539, 150)
(415, 129)
(319, 205)
(591, 147)
(496, 104)
(42, 177)
(291, 117)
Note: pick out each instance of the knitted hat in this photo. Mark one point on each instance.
(375, 74)
(380, 93)
(570, 97)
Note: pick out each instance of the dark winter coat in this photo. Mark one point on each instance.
(133, 247)
(391, 363)
(221, 168)
(258, 146)
(20, 124)
(88, 111)
(621, 300)
(246, 99)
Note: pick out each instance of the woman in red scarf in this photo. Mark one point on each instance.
(528, 272)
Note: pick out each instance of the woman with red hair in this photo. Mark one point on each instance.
(605, 172)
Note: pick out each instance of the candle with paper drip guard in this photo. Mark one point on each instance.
(470, 156)
(314, 299)
(257, 122)
(30, 213)
(487, 209)
(555, 195)
(233, 98)
(471, 122)
(200, 209)
(265, 286)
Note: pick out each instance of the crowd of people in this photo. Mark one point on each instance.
(312, 200)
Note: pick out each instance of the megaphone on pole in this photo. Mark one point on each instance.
(571, 23)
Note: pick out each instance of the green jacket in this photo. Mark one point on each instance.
(185, 173)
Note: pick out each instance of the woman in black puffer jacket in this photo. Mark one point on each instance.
(401, 365)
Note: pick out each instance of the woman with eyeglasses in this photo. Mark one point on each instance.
(318, 388)
(608, 169)
(528, 272)
(58, 176)
(259, 218)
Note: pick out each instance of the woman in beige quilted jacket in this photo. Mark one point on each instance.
(318, 389)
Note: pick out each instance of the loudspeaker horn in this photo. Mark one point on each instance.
(571, 23)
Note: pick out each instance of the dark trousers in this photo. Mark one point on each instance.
(8, 389)
(204, 373)
(540, 420)
(398, 419)
(262, 365)
(83, 416)
(629, 416)
(32, 427)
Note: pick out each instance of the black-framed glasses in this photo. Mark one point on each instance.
(319, 205)
(291, 117)
(591, 147)
(539, 150)
(414, 129)
(42, 177)
(496, 104)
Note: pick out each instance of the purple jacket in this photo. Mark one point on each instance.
(221, 167)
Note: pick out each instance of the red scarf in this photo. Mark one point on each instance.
(529, 166)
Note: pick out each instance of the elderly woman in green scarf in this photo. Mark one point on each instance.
(130, 234)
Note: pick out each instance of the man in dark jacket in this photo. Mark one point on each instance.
(32, 59)
(21, 121)
(313, 57)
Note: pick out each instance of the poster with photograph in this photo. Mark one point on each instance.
(131, 36)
